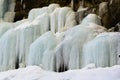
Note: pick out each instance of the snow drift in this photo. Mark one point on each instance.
(36, 73)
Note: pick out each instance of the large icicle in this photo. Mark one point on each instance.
(30, 31)
(8, 50)
(103, 50)
(42, 51)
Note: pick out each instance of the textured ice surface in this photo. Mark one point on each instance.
(39, 11)
(42, 51)
(103, 50)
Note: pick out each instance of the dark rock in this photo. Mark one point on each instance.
(114, 12)
(23, 8)
(103, 13)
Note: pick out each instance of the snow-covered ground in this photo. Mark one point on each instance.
(87, 73)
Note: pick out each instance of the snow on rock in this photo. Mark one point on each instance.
(9, 16)
(17, 23)
(7, 9)
(103, 50)
(42, 51)
(91, 18)
(36, 73)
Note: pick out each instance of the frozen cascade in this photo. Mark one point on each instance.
(28, 33)
(42, 51)
(69, 52)
(103, 50)
(8, 54)
(25, 32)
(62, 19)
(65, 46)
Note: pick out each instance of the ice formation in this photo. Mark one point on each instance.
(28, 33)
(25, 32)
(36, 12)
(70, 51)
(103, 50)
(50, 38)
(62, 19)
(43, 50)
(8, 52)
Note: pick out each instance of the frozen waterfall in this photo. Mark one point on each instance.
(51, 39)
(43, 50)
(103, 50)
(24, 33)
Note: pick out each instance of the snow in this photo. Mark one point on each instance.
(36, 73)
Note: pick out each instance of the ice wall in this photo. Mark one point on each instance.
(69, 52)
(25, 32)
(51, 39)
(30, 31)
(62, 19)
(8, 50)
(103, 50)
(43, 50)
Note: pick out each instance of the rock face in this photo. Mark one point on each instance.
(19, 9)
(114, 12)
(24, 6)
